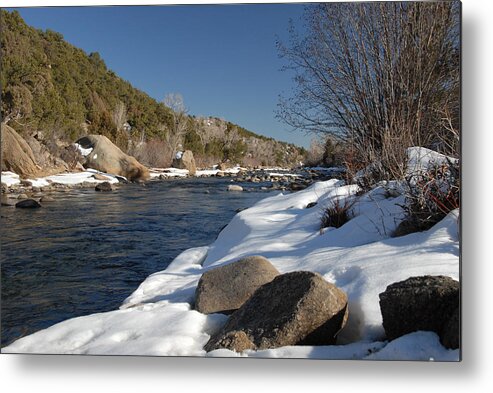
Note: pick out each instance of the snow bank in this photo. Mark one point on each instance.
(174, 172)
(70, 178)
(359, 257)
(73, 178)
(10, 178)
(421, 159)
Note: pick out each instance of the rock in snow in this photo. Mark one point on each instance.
(226, 288)
(425, 303)
(294, 308)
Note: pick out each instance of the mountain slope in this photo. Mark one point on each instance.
(56, 91)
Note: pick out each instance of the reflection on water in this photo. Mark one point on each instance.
(87, 251)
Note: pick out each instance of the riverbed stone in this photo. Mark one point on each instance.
(22, 196)
(105, 186)
(28, 204)
(425, 303)
(294, 308)
(47, 198)
(235, 187)
(226, 288)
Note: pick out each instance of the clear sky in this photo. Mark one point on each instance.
(221, 58)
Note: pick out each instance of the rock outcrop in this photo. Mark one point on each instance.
(294, 308)
(226, 288)
(17, 155)
(107, 157)
(185, 161)
(429, 303)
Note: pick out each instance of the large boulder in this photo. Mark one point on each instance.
(226, 288)
(106, 157)
(294, 308)
(429, 303)
(17, 155)
(185, 160)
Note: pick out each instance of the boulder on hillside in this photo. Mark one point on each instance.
(422, 303)
(294, 308)
(106, 157)
(185, 160)
(17, 155)
(226, 288)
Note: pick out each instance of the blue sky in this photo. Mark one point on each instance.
(221, 58)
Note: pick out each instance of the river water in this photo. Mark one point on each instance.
(87, 251)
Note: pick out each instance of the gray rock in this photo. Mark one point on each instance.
(235, 187)
(26, 183)
(22, 196)
(28, 204)
(6, 201)
(105, 186)
(226, 288)
(419, 303)
(450, 335)
(294, 308)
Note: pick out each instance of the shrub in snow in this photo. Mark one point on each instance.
(428, 303)
(431, 195)
(294, 308)
(226, 288)
(337, 213)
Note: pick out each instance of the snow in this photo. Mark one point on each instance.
(73, 178)
(421, 159)
(10, 178)
(175, 172)
(360, 257)
(83, 151)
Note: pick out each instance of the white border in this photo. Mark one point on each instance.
(120, 374)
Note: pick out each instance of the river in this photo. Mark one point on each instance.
(87, 251)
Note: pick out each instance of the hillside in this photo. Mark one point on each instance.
(56, 93)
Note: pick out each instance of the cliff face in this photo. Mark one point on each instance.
(59, 93)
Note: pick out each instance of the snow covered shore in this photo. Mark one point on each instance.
(359, 257)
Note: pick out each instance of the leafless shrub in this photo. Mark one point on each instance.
(431, 196)
(382, 76)
(154, 153)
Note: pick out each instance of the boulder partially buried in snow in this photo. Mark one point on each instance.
(107, 157)
(294, 308)
(422, 303)
(185, 161)
(226, 288)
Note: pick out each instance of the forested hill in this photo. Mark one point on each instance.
(57, 92)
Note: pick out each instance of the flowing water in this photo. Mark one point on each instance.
(87, 251)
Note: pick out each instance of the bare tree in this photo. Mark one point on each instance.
(179, 121)
(381, 76)
(120, 115)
